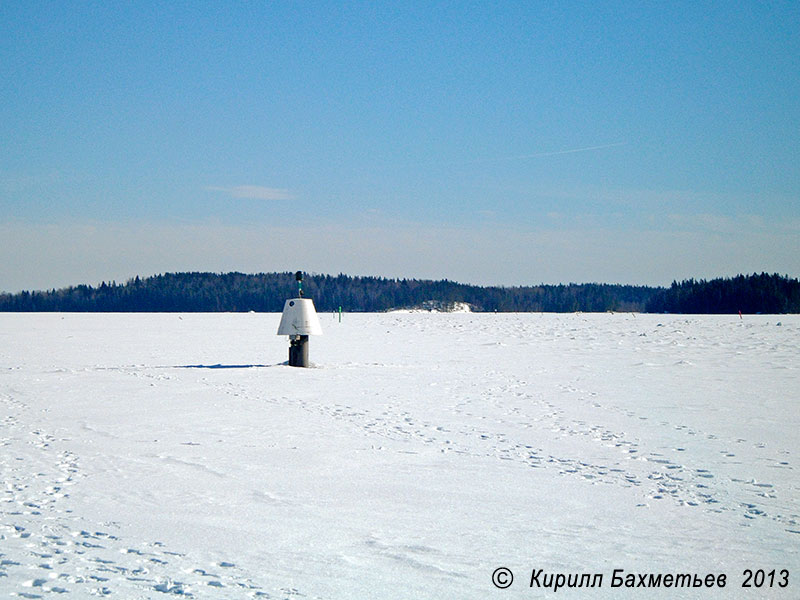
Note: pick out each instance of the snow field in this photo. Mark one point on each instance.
(177, 454)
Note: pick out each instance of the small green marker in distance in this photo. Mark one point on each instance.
(340, 314)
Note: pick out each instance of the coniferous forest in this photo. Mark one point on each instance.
(266, 292)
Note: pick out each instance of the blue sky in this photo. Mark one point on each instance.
(504, 143)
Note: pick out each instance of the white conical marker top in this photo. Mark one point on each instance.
(299, 318)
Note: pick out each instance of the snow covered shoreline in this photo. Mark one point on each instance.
(176, 453)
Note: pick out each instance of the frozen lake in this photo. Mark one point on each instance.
(176, 453)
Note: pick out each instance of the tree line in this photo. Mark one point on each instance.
(768, 294)
(266, 292)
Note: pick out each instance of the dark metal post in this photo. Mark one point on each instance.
(298, 351)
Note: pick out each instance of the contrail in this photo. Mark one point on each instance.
(572, 151)
(543, 154)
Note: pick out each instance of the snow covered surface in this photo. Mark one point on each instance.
(178, 454)
(436, 306)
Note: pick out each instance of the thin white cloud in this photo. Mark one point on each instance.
(254, 192)
(727, 224)
(707, 222)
